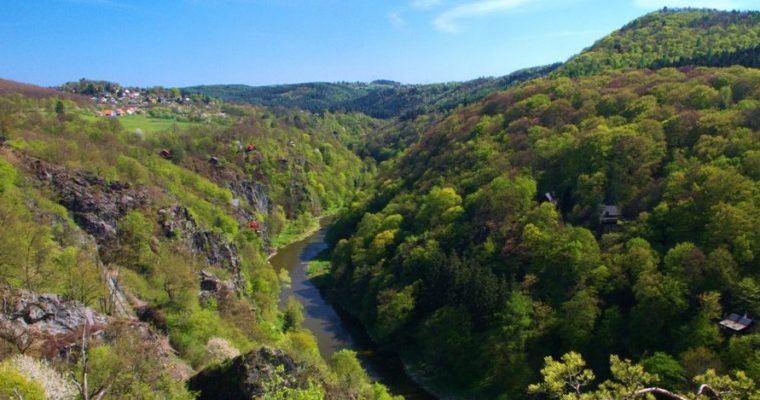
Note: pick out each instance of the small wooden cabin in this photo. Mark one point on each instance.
(610, 215)
(736, 322)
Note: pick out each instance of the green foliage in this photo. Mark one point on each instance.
(13, 384)
(393, 310)
(380, 99)
(452, 254)
(128, 368)
(352, 380)
(670, 373)
(738, 387)
(302, 169)
(461, 217)
(564, 379)
(567, 379)
(671, 37)
(135, 233)
(293, 315)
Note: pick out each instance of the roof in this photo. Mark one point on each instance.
(612, 211)
(736, 322)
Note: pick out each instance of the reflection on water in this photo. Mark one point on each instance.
(320, 317)
(335, 331)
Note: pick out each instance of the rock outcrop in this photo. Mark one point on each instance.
(256, 195)
(95, 204)
(46, 314)
(249, 375)
(44, 324)
(177, 222)
(49, 326)
(218, 250)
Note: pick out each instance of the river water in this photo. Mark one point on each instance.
(334, 330)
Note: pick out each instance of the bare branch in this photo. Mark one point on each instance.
(705, 387)
(655, 390)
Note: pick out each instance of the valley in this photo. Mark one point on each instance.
(582, 230)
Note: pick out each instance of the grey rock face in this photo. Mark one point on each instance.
(247, 376)
(95, 205)
(177, 222)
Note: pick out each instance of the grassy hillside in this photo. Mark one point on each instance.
(457, 258)
(165, 235)
(8, 87)
(664, 38)
(380, 99)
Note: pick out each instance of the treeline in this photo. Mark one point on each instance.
(459, 259)
(665, 37)
(314, 97)
(89, 87)
(379, 99)
(745, 57)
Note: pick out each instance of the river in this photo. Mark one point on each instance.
(334, 330)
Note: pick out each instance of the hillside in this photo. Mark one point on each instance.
(153, 245)
(664, 38)
(458, 258)
(379, 99)
(581, 231)
(8, 87)
(749, 57)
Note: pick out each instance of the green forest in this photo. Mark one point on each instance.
(472, 266)
(666, 37)
(575, 231)
(379, 99)
(124, 221)
(480, 251)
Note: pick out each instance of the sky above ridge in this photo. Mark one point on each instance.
(260, 42)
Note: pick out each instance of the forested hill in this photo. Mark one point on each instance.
(483, 253)
(380, 99)
(459, 258)
(149, 236)
(670, 37)
(667, 37)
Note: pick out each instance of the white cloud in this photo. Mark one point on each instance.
(396, 20)
(426, 3)
(719, 4)
(448, 21)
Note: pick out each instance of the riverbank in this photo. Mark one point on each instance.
(405, 360)
(333, 329)
(293, 233)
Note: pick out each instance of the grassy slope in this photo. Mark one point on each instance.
(321, 174)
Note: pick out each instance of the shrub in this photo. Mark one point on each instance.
(14, 384)
(55, 386)
(219, 349)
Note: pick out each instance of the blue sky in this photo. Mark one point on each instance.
(257, 42)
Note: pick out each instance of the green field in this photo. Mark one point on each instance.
(149, 124)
